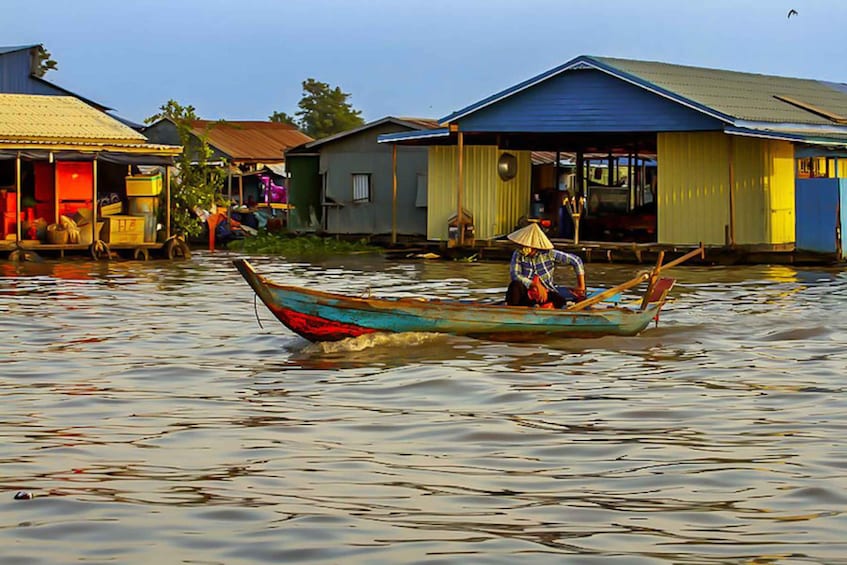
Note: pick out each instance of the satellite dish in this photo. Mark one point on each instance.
(507, 166)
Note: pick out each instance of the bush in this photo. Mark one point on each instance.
(267, 243)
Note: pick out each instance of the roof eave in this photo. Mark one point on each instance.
(412, 135)
(114, 147)
(794, 137)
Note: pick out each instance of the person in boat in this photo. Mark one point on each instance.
(532, 267)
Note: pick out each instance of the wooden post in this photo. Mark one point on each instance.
(229, 193)
(18, 198)
(580, 174)
(393, 193)
(575, 218)
(167, 202)
(241, 187)
(459, 188)
(94, 237)
(731, 157)
(55, 191)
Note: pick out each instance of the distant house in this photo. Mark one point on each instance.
(250, 147)
(741, 160)
(58, 155)
(346, 182)
(18, 75)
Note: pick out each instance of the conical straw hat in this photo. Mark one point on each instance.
(531, 236)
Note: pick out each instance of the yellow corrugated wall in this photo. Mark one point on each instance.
(495, 205)
(693, 197)
(782, 183)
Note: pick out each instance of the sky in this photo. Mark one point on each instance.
(246, 59)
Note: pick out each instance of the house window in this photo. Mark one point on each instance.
(361, 187)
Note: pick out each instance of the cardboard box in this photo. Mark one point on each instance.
(123, 229)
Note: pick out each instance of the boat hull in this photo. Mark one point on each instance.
(323, 316)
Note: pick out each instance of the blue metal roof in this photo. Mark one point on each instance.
(12, 49)
(586, 100)
(726, 97)
(579, 63)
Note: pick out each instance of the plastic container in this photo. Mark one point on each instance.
(143, 205)
(144, 185)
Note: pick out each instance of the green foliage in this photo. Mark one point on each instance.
(324, 111)
(283, 118)
(267, 243)
(197, 181)
(43, 62)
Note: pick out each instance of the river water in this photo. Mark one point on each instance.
(156, 414)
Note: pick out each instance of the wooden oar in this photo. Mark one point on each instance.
(636, 281)
(599, 297)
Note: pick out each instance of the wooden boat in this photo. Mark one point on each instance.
(326, 316)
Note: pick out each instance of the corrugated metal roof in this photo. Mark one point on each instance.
(59, 118)
(744, 96)
(424, 123)
(415, 124)
(727, 95)
(251, 140)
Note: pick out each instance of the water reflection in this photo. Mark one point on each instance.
(155, 418)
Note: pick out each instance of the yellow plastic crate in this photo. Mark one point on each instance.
(123, 229)
(144, 185)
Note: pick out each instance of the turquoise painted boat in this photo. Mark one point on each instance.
(326, 316)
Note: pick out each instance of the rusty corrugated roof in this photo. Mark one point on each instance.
(59, 118)
(425, 123)
(250, 140)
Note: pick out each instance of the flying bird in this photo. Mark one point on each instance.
(792, 12)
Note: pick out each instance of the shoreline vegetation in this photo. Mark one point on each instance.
(267, 243)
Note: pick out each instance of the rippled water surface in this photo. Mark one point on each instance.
(155, 419)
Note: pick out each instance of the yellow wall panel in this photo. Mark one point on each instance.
(693, 196)
(495, 205)
(693, 203)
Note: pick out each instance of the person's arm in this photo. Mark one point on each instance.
(516, 269)
(578, 268)
(579, 291)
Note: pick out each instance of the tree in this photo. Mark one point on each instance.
(43, 62)
(283, 118)
(198, 181)
(323, 111)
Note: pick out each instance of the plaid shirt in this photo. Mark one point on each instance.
(542, 263)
